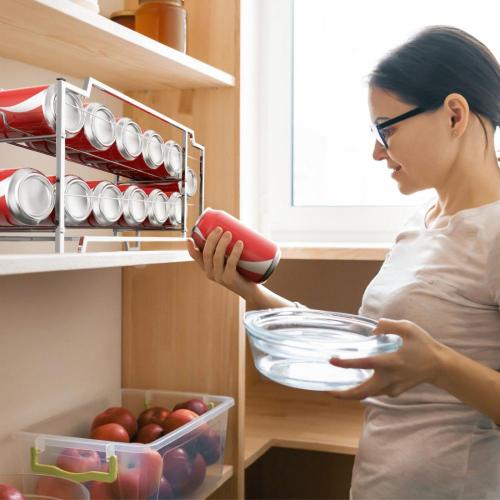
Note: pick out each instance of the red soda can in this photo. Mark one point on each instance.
(260, 255)
(32, 111)
(172, 160)
(151, 158)
(127, 147)
(175, 217)
(77, 200)
(158, 208)
(107, 203)
(135, 205)
(26, 197)
(176, 186)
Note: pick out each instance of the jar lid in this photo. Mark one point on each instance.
(122, 13)
(293, 346)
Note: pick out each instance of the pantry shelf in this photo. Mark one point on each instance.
(42, 263)
(335, 251)
(69, 39)
(292, 418)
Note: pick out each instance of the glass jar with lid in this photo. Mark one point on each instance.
(163, 20)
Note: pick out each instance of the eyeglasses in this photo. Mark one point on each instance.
(378, 129)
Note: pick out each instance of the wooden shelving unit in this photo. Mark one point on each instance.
(65, 37)
(335, 251)
(291, 418)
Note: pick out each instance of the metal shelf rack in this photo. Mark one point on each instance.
(58, 232)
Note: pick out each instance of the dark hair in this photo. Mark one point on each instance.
(438, 61)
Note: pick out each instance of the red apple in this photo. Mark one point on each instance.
(209, 445)
(76, 460)
(117, 415)
(54, 487)
(139, 474)
(166, 492)
(155, 415)
(196, 405)
(148, 433)
(10, 493)
(101, 491)
(184, 474)
(177, 419)
(110, 432)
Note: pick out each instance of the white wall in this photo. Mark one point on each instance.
(60, 333)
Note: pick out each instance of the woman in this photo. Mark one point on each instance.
(432, 419)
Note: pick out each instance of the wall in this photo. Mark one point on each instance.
(60, 333)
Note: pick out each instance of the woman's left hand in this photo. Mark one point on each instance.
(416, 362)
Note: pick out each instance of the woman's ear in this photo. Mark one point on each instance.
(457, 109)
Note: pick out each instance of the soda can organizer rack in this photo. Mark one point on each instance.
(152, 184)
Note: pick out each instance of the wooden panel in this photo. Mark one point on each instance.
(283, 473)
(67, 38)
(335, 251)
(181, 331)
(292, 418)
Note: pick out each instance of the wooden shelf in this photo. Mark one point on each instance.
(42, 263)
(335, 251)
(67, 38)
(227, 473)
(292, 418)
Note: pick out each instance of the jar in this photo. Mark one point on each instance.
(163, 20)
(124, 17)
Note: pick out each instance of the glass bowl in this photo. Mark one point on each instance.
(293, 346)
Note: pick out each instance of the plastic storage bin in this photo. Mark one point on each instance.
(191, 457)
(43, 487)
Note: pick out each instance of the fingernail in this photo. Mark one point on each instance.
(228, 235)
(239, 243)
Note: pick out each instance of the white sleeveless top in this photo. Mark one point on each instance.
(425, 443)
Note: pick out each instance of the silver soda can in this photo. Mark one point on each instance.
(26, 197)
(77, 200)
(159, 208)
(107, 203)
(135, 205)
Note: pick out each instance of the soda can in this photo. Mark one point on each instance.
(107, 203)
(30, 111)
(260, 255)
(151, 157)
(77, 201)
(135, 205)
(26, 197)
(127, 147)
(172, 160)
(175, 217)
(159, 208)
(176, 186)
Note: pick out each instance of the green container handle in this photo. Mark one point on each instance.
(81, 477)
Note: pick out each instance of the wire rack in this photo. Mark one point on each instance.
(125, 173)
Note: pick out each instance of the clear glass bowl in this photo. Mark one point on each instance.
(293, 346)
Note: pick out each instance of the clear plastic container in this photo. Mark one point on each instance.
(191, 457)
(45, 487)
(293, 346)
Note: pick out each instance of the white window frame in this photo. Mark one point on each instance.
(273, 105)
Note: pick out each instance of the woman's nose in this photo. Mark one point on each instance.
(379, 152)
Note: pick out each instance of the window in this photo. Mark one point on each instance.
(318, 181)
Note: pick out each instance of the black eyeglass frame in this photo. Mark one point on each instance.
(377, 129)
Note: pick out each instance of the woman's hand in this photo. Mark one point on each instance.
(215, 265)
(416, 362)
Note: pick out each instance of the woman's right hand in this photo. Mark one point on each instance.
(215, 265)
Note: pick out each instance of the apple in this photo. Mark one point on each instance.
(166, 492)
(10, 493)
(54, 487)
(195, 405)
(117, 415)
(209, 446)
(101, 491)
(155, 415)
(177, 419)
(148, 433)
(110, 432)
(76, 460)
(184, 474)
(139, 475)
